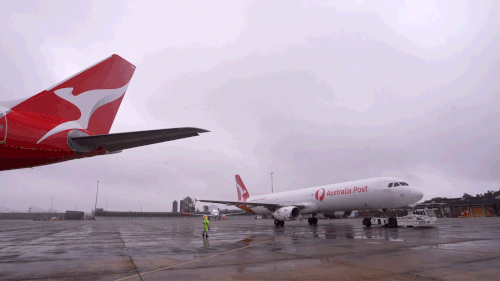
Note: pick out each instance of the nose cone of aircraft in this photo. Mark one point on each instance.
(417, 194)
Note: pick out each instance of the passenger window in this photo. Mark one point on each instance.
(390, 185)
(396, 184)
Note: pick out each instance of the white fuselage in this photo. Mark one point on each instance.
(366, 194)
(214, 213)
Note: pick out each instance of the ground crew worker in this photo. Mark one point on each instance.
(206, 227)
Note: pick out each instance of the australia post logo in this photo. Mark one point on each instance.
(320, 194)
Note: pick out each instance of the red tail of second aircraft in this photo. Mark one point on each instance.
(243, 194)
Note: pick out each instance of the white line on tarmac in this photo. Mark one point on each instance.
(176, 265)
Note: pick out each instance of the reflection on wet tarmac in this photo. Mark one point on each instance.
(339, 230)
(113, 250)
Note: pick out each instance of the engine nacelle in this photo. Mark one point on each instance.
(286, 213)
(342, 214)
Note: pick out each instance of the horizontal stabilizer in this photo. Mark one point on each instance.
(120, 141)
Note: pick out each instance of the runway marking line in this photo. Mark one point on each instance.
(184, 263)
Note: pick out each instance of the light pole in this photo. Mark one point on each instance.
(272, 187)
(95, 207)
(51, 204)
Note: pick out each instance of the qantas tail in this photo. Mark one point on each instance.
(88, 100)
(243, 194)
(85, 105)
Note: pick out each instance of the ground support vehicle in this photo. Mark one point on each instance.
(419, 217)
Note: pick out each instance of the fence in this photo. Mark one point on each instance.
(154, 216)
(29, 216)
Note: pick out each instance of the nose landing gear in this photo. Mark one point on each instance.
(313, 220)
(367, 222)
(279, 223)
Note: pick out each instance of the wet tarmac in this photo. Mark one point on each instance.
(457, 249)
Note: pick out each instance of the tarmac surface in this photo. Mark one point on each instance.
(456, 249)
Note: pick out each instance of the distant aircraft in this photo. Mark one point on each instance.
(373, 193)
(72, 119)
(216, 215)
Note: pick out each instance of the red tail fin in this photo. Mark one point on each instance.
(243, 194)
(90, 98)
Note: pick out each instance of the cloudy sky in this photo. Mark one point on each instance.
(317, 92)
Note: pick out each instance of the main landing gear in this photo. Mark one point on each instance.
(279, 223)
(390, 222)
(313, 220)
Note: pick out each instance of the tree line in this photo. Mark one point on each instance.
(489, 193)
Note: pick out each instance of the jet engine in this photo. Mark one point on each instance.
(286, 213)
(342, 214)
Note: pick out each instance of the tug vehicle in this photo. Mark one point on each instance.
(419, 217)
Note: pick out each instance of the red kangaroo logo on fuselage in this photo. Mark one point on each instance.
(320, 194)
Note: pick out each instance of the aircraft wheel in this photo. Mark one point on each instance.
(279, 223)
(393, 222)
(282, 223)
(367, 222)
(310, 221)
(315, 221)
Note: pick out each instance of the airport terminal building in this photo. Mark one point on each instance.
(458, 207)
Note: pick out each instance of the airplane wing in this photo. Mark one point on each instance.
(120, 141)
(270, 206)
(230, 214)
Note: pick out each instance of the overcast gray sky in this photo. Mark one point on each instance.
(317, 92)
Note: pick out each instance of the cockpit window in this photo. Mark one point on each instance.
(396, 184)
(403, 183)
(390, 185)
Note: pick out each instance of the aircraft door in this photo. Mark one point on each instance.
(3, 125)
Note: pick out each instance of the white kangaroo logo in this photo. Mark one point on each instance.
(242, 192)
(88, 102)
